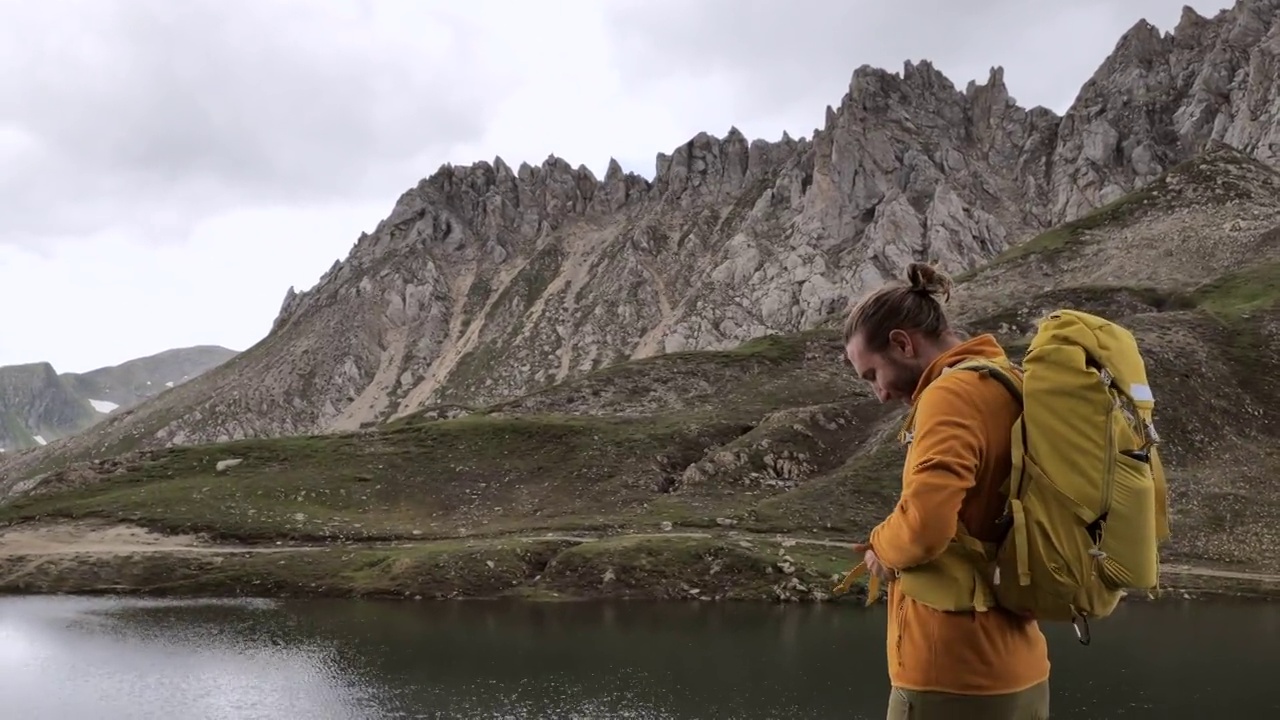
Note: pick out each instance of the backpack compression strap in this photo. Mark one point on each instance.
(1012, 488)
(873, 583)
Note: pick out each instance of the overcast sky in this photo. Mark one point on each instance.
(168, 168)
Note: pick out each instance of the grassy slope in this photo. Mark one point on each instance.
(537, 462)
(524, 466)
(773, 437)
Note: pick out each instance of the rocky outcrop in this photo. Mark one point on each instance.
(487, 281)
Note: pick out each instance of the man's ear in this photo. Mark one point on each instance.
(902, 341)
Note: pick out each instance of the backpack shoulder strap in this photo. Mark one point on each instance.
(1007, 374)
(1004, 373)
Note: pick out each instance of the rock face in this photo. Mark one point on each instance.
(38, 405)
(487, 281)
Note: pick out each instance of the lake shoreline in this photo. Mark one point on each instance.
(88, 558)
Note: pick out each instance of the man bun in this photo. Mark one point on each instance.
(928, 280)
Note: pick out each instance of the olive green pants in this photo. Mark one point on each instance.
(1029, 704)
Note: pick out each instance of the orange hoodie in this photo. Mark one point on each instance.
(958, 459)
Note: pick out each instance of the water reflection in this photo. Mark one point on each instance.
(70, 659)
(114, 659)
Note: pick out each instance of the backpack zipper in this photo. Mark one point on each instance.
(902, 621)
(1108, 477)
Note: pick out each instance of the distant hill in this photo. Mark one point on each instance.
(38, 405)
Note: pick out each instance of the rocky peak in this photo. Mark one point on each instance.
(993, 92)
(1157, 99)
(875, 90)
(487, 281)
(1190, 27)
(708, 168)
(475, 212)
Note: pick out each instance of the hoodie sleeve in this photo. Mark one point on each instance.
(944, 459)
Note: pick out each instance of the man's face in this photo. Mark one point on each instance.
(893, 372)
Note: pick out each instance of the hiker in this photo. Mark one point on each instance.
(992, 664)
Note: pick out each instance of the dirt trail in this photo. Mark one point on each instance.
(82, 538)
(1177, 569)
(103, 539)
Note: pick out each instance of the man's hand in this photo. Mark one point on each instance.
(874, 566)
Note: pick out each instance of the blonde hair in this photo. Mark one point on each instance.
(913, 306)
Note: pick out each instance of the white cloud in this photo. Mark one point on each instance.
(88, 301)
(168, 170)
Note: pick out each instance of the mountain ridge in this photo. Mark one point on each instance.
(711, 474)
(485, 282)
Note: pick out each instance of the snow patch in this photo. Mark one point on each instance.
(169, 384)
(103, 406)
(40, 440)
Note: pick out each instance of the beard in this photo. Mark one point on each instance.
(906, 378)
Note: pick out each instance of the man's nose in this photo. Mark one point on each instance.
(883, 394)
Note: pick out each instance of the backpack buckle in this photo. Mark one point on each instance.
(1082, 634)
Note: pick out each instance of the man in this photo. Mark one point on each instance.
(956, 665)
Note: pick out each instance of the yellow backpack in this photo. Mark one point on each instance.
(1086, 500)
